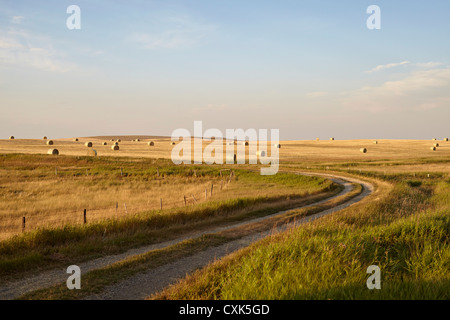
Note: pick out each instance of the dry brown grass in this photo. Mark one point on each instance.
(50, 197)
(292, 151)
(52, 200)
(55, 202)
(348, 150)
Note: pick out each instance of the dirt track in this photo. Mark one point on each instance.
(142, 285)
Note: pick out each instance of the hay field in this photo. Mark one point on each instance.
(290, 151)
(53, 192)
(349, 150)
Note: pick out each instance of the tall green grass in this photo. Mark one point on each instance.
(406, 235)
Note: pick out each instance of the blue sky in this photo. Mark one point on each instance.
(309, 68)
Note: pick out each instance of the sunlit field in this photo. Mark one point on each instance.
(291, 151)
(136, 196)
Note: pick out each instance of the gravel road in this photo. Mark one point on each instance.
(145, 284)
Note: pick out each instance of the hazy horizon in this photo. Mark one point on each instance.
(308, 68)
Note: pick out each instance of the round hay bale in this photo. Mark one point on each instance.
(261, 153)
(375, 142)
(245, 143)
(277, 145)
(172, 143)
(76, 139)
(115, 148)
(151, 143)
(115, 144)
(434, 139)
(54, 152)
(111, 140)
(363, 150)
(433, 148)
(88, 144)
(436, 145)
(50, 142)
(11, 138)
(332, 139)
(44, 138)
(317, 139)
(445, 139)
(105, 144)
(92, 152)
(137, 140)
(118, 140)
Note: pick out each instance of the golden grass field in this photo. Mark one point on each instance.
(411, 182)
(290, 151)
(49, 200)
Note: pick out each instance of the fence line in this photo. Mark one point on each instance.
(140, 208)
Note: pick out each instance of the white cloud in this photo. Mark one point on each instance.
(9, 44)
(428, 64)
(387, 66)
(17, 19)
(420, 90)
(436, 103)
(172, 32)
(21, 50)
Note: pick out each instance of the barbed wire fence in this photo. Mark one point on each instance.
(117, 211)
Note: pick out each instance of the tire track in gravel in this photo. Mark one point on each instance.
(144, 284)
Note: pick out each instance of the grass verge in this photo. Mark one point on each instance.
(405, 233)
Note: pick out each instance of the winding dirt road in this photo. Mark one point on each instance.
(143, 285)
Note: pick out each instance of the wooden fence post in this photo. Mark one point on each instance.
(23, 224)
(212, 186)
(121, 172)
(160, 203)
(206, 193)
(84, 214)
(184, 201)
(125, 205)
